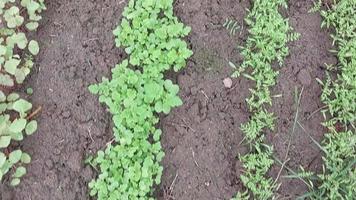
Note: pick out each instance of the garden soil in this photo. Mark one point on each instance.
(202, 138)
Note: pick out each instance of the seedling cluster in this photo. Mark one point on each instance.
(338, 180)
(136, 93)
(269, 34)
(17, 19)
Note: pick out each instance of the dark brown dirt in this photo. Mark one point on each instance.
(202, 137)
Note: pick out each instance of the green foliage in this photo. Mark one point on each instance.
(338, 179)
(267, 43)
(130, 167)
(14, 130)
(340, 94)
(255, 126)
(17, 19)
(256, 165)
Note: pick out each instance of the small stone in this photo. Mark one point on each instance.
(227, 82)
(304, 77)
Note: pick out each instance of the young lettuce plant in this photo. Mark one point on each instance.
(17, 19)
(137, 91)
(16, 51)
(14, 130)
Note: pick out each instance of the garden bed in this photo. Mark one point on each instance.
(202, 138)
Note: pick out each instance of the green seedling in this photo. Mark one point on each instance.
(14, 130)
(267, 43)
(16, 51)
(338, 178)
(130, 166)
(17, 19)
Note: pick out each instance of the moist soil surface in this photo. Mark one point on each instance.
(202, 138)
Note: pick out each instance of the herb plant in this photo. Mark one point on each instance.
(267, 43)
(137, 91)
(17, 19)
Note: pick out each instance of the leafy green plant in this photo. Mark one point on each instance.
(14, 129)
(340, 94)
(16, 51)
(338, 179)
(17, 19)
(130, 167)
(267, 43)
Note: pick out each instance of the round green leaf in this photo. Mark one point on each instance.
(18, 125)
(15, 182)
(25, 158)
(21, 40)
(11, 65)
(13, 97)
(33, 47)
(17, 136)
(5, 141)
(32, 26)
(29, 91)
(31, 127)
(20, 171)
(15, 156)
(20, 76)
(22, 106)
(6, 80)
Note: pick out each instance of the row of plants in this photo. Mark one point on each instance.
(130, 166)
(338, 178)
(17, 19)
(269, 33)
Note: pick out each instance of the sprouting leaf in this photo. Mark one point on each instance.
(32, 26)
(12, 17)
(5, 141)
(20, 171)
(22, 106)
(13, 97)
(18, 125)
(25, 158)
(33, 47)
(6, 80)
(15, 156)
(29, 91)
(11, 65)
(21, 40)
(93, 89)
(17, 136)
(15, 182)
(31, 127)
